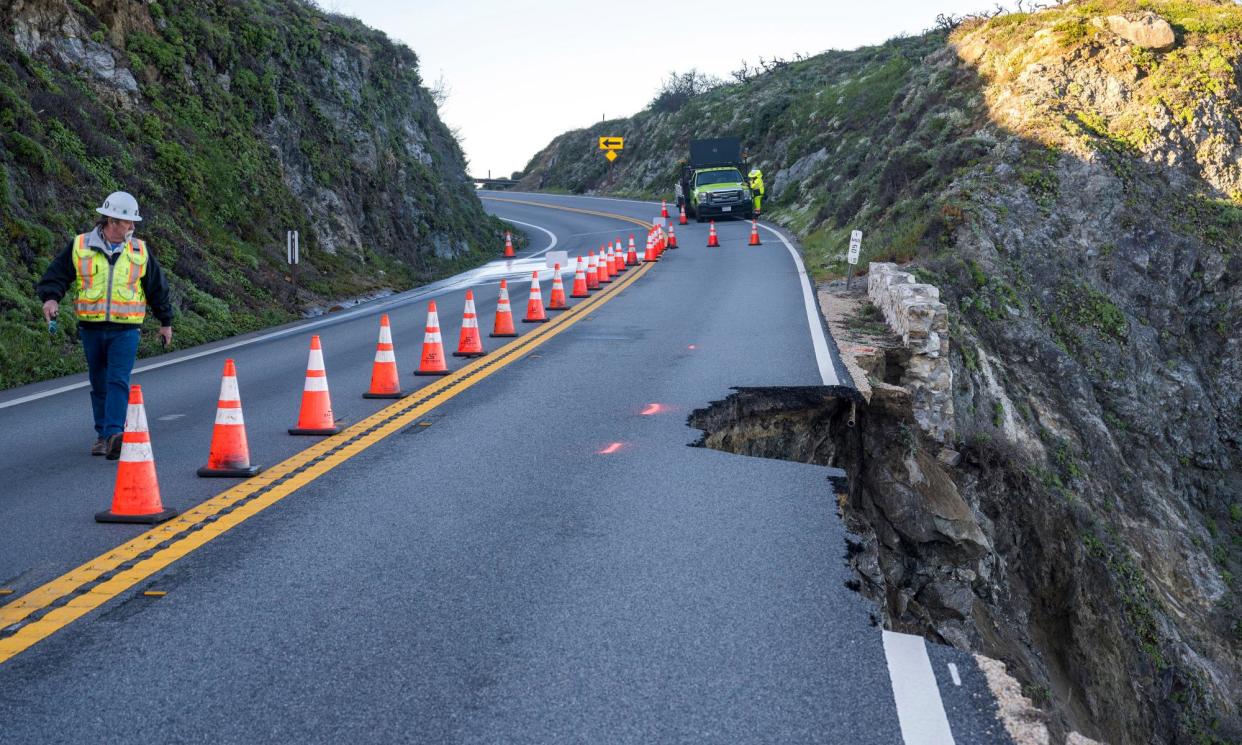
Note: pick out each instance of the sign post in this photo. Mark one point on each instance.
(610, 146)
(852, 257)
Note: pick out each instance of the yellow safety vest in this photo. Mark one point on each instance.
(110, 292)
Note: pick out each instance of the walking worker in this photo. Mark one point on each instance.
(116, 278)
(755, 179)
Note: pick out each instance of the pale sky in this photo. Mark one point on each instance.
(517, 77)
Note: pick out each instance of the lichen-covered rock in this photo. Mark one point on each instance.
(1146, 30)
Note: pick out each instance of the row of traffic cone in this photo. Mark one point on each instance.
(136, 494)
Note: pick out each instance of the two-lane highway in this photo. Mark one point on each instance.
(533, 555)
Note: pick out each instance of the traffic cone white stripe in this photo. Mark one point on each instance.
(228, 389)
(385, 336)
(229, 416)
(137, 452)
(135, 418)
(385, 355)
(432, 337)
(316, 383)
(316, 360)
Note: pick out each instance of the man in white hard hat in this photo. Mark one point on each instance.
(116, 279)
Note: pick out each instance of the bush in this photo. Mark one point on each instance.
(678, 88)
(28, 151)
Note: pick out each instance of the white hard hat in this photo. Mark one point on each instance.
(120, 205)
(756, 172)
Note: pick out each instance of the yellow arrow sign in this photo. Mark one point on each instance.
(612, 143)
(610, 155)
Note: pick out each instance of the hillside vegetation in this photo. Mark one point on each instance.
(232, 122)
(1076, 194)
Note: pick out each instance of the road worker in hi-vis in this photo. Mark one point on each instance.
(115, 278)
(755, 181)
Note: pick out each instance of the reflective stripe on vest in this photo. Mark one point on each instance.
(110, 292)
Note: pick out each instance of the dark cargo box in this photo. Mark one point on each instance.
(722, 151)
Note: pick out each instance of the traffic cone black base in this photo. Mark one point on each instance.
(469, 354)
(502, 336)
(435, 372)
(227, 473)
(536, 320)
(402, 394)
(107, 516)
(322, 431)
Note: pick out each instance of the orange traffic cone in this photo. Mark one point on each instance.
(136, 496)
(681, 218)
(230, 454)
(534, 306)
(432, 361)
(556, 301)
(504, 315)
(631, 259)
(592, 273)
(580, 282)
(385, 380)
(509, 245)
(672, 237)
(618, 257)
(649, 254)
(605, 276)
(315, 417)
(663, 208)
(754, 233)
(469, 344)
(660, 240)
(712, 240)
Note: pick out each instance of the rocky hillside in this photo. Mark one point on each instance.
(231, 122)
(1071, 180)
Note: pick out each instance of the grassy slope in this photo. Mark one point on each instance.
(208, 181)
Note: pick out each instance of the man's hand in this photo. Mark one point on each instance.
(166, 335)
(50, 309)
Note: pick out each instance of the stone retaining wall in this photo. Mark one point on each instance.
(914, 311)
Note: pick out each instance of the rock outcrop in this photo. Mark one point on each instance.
(232, 124)
(1076, 198)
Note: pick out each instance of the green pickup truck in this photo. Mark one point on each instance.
(712, 184)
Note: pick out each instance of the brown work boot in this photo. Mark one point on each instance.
(114, 446)
(100, 447)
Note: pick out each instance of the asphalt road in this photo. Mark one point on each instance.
(543, 560)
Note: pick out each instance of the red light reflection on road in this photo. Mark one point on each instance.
(612, 448)
(693, 346)
(653, 409)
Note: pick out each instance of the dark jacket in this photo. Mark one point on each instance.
(62, 274)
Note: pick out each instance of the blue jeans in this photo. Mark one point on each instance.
(110, 355)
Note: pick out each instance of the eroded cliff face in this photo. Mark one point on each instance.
(1071, 187)
(232, 122)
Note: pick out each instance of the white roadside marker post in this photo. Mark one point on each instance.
(852, 257)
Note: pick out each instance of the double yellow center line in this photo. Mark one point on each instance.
(44, 610)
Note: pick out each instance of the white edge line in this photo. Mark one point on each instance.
(442, 286)
(827, 372)
(551, 235)
(920, 711)
(957, 679)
